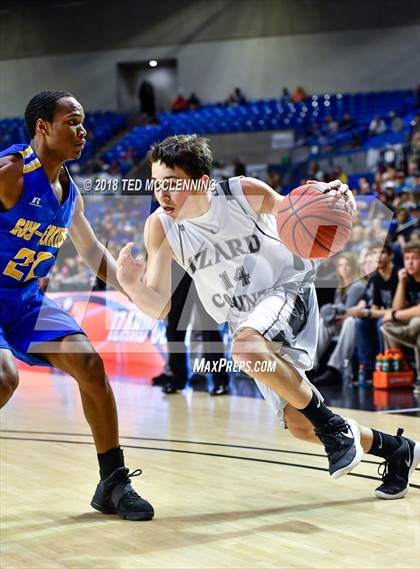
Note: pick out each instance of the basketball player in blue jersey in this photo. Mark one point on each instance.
(39, 207)
(227, 241)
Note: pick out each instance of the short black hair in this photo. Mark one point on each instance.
(42, 106)
(381, 245)
(187, 151)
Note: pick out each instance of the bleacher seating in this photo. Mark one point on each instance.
(271, 114)
(102, 126)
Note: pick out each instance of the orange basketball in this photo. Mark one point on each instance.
(312, 224)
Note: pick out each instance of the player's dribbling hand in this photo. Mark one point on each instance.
(337, 188)
(130, 269)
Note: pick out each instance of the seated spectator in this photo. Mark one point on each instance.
(389, 190)
(129, 157)
(114, 169)
(339, 174)
(236, 98)
(299, 95)
(364, 186)
(315, 172)
(358, 240)
(367, 262)
(401, 324)
(405, 201)
(414, 155)
(194, 102)
(180, 103)
(335, 320)
(397, 124)
(274, 181)
(331, 125)
(346, 122)
(72, 276)
(380, 291)
(413, 173)
(401, 216)
(239, 168)
(377, 126)
(285, 96)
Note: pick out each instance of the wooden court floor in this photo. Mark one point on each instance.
(230, 489)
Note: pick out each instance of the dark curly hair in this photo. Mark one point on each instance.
(189, 152)
(42, 106)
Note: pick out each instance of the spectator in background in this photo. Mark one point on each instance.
(377, 126)
(236, 98)
(299, 95)
(367, 262)
(129, 158)
(388, 190)
(72, 276)
(331, 125)
(334, 319)
(147, 100)
(179, 104)
(239, 168)
(339, 174)
(194, 102)
(315, 172)
(114, 169)
(413, 173)
(405, 202)
(415, 234)
(274, 181)
(184, 297)
(414, 155)
(364, 186)
(346, 122)
(380, 291)
(415, 123)
(396, 123)
(285, 96)
(358, 240)
(401, 324)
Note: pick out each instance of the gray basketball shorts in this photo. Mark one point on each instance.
(289, 317)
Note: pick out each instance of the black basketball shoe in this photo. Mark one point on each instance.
(341, 439)
(115, 495)
(397, 469)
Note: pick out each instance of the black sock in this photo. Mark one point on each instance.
(316, 412)
(383, 445)
(110, 461)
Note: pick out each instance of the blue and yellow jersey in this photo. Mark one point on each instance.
(32, 232)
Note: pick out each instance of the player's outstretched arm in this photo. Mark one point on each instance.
(91, 250)
(264, 199)
(150, 289)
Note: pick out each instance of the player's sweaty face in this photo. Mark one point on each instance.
(172, 187)
(66, 134)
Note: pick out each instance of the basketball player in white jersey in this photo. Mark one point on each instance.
(225, 238)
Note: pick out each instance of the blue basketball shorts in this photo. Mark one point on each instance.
(28, 317)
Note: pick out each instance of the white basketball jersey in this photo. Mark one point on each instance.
(234, 255)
